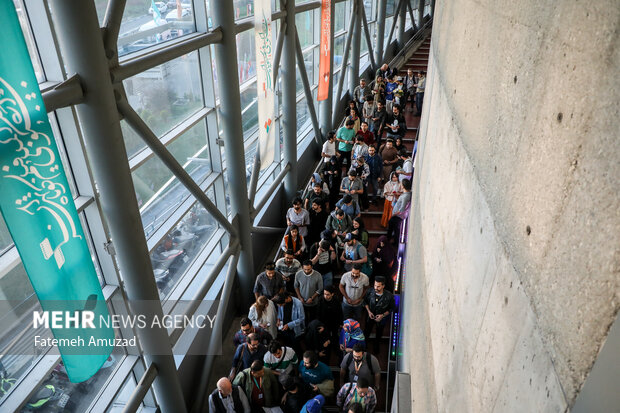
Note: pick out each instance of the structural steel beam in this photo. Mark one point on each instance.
(216, 335)
(112, 26)
(417, 26)
(169, 52)
(325, 106)
(345, 61)
(222, 14)
(59, 95)
(274, 185)
(254, 179)
(159, 149)
(289, 103)
(402, 16)
(278, 52)
(135, 400)
(201, 292)
(356, 41)
(81, 42)
(268, 230)
(421, 12)
(309, 99)
(371, 54)
(381, 12)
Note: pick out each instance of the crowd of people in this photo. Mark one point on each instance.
(328, 292)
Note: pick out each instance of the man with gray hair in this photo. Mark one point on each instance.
(228, 398)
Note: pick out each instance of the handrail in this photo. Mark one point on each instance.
(402, 54)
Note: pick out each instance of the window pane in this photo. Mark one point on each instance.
(363, 61)
(363, 45)
(243, 8)
(249, 110)
(5, 238)
(32, 48)
(173, 255)
(74, 397)
(338, 50)
(14, 315)
(390, 7)
(309, 64)
(118, 405)
(159, 194)
(249, 161)
(303, 116)
(388, 27)
(246, 55)
(369, 10)
(164, 96)
(339, 22)
(335, 90)
(216, 86)
(142, 26)
(303, 22)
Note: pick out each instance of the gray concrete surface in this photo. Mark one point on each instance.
(516, 271)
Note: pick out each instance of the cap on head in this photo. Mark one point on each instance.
(315, 405)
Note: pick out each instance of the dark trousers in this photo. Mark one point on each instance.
(379, 327)
(345, 155)
(310, 312)
(394, 229)
(419, 98)
(364, 204)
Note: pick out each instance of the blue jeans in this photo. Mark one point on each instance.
(375, 186)
(354, 312)
(419, 97)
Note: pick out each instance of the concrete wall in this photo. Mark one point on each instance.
(513, 277)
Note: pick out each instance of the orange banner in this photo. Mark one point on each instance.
(324, 62)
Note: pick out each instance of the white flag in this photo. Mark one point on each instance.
(264, 79)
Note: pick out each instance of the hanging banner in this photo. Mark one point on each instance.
(264, 80)
(324, 61)
(39, 212)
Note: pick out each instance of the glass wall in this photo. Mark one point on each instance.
(179, 101)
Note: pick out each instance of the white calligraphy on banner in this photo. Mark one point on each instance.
(264, 80)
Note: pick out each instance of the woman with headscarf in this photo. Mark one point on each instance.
(316, 177)
(391, 191)
(318, 340)
(383, 259)
(350, 335)
(264, 314)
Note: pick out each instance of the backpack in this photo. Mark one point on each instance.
(366, 267)
(368, 361)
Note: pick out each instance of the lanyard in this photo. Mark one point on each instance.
(356, 400)
(356, 367)
(257, 383)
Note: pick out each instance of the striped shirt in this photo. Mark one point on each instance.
(288, 356)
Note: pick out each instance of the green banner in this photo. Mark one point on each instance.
(37, 205)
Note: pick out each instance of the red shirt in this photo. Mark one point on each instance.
(369, 137)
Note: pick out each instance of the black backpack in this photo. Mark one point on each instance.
(368, 361)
